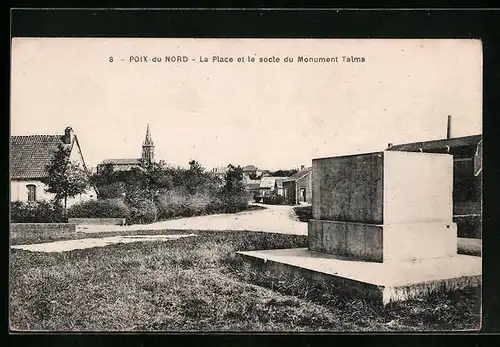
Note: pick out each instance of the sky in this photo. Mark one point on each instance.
(275, 115)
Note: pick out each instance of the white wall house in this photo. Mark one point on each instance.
(30, 156)
(268, 186)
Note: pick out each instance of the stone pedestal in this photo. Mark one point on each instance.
(382, 227)
(383, 206)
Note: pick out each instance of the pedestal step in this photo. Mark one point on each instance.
(381, 282)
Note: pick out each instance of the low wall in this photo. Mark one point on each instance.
(97, 221)
(56, 229)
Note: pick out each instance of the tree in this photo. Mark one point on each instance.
(284, 173)
(65, 179)
(104, 176)
(195, 178)
(234, 180)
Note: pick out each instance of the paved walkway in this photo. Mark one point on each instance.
(275, 219)
(69, 245)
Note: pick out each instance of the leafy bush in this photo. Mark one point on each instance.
(234, 203)
(36, 212)
(109, 208)
(175, 203)
(143, 211)
(303, 213)
(155, 192)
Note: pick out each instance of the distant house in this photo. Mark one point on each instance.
(219, 171)
(467, 176)
(298, 187)
(252, 189)
(251, 172)
(278, 186)
(30, 156)
(148, 149)
(119, 164)
(268, 186)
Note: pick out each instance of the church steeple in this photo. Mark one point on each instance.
(148, 148)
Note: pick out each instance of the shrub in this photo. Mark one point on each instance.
(303, 213)
(177, 203)
(171, 204)
(234, 203)
(174, 203)
(109, 208)
(36, 212)
(142, 211)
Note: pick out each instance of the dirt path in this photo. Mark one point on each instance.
(275, 218)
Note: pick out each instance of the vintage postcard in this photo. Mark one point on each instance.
(245, 185)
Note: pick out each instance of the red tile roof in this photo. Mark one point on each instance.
(31, 154)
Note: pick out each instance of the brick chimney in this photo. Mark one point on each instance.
(448, 128)
(68, 135)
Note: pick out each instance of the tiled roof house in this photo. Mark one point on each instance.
(298, 187)
(29, 157)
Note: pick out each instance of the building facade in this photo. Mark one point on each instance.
(252, 172)
(125, 164)
(30, 156)
(268, 186)
(298, 187)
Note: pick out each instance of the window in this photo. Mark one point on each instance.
(31, 192)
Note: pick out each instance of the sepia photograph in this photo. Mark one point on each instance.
(245, 185)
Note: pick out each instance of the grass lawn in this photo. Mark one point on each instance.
(198, 284)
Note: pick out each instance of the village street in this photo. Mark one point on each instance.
(274, 218)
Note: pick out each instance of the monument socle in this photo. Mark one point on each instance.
(382, 228)
(384, 206)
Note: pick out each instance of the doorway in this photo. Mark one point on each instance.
(302, 194)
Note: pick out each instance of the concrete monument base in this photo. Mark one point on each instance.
(380, 243)
(382, 228)
(385, 282)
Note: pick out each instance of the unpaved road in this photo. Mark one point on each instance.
(274, 219)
